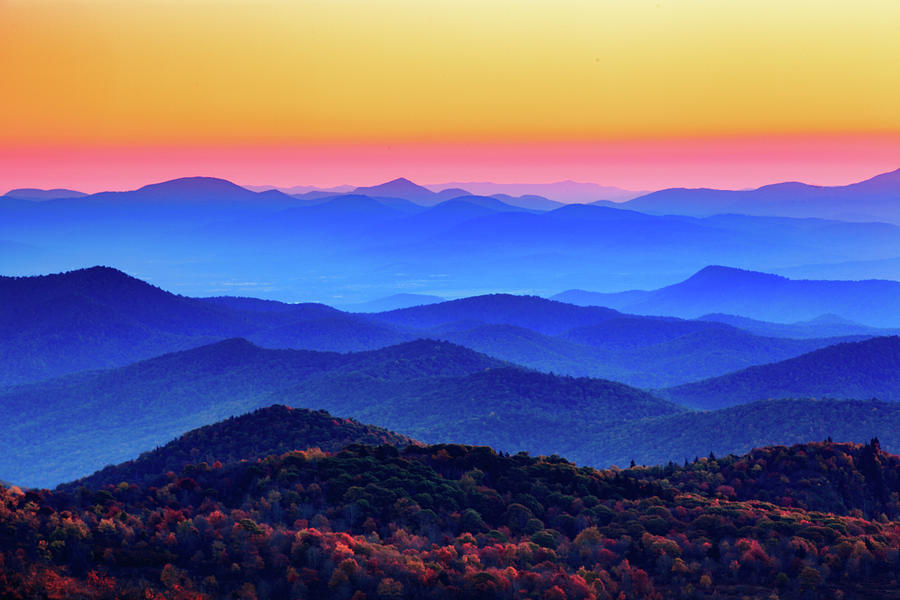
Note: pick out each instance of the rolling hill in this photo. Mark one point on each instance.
(860, 370)
(96, 318)
(647, 352)
(874, 199)
(760, 296)
(738, 429)
(813, 520)
(100, 317)
(256, 435)
(148, 403)
(393, 302)
(432, 391)
(37, 195)
(827, 325)
(506, 408)
(540, 315)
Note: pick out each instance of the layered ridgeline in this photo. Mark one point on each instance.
(874, 199)
(456, 521)
(762, 296)
(343, 245)
(428, 388)
(99, 318)
(432, 391)
(589, 341)
(738, 429)
(65, 428)
(862, 370)
(253, 436)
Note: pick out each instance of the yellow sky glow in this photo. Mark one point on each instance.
(89, 72)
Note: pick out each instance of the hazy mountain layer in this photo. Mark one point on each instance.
(760, 296)
(100, 318)
(874, 199)
(208, 237)
(862, 370)
(66, 428)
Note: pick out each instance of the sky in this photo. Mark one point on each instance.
(640, 94)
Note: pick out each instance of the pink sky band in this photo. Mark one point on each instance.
(733, 163)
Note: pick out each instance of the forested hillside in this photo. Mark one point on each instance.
(508, 409)
(453, 521)
(101, 318)
(147, 404)
(862, 370)
(272, 430)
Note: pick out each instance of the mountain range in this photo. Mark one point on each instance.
(148, 403)
(761, 296)
(541, 196)
(449, 520)
(867, 369)
(195, 235)
(565, 192)
(874, 199)
(256, 435)
(392, 302)
(99, 317)
(437, 391)
(278, 433)
(38, 194)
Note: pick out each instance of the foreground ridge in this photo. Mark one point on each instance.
(460, 521)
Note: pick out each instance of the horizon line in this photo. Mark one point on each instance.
(382, 181)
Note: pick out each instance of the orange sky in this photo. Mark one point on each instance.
(335, 91)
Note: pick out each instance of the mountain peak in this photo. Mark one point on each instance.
(722, 273)
(219, 355)
(99, 275)
(831, 319)
(102, 271)
(197, 187)
(235, 343)
(39, 194)
(398, 188)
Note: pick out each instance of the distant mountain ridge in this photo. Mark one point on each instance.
(857, 370)
(872, 199)
(538, 314)
(827, 325)
(565, 192)
(393, 302)
(762, 296)
(100, 318)
(406, 189)
(430, 391)
(148, 403)
(424, 196)
(194, 191)
(400, 188)
(38, 194)
(198, 235)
